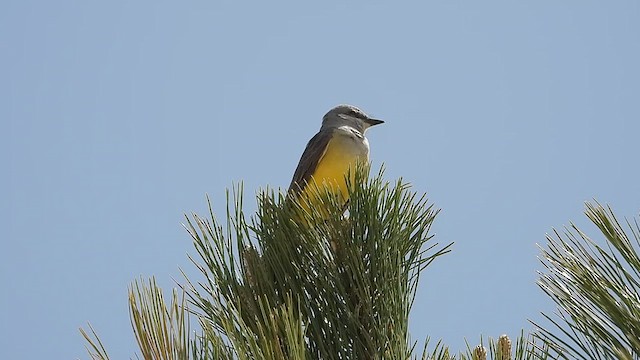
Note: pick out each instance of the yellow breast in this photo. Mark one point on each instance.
(343, 152)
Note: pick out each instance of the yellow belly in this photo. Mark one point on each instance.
(339, 160)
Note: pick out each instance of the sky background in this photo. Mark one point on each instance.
(118, 117)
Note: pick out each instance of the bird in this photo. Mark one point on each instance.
(333, 152)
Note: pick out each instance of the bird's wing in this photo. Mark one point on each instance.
(313, 153)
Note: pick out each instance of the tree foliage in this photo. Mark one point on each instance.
(596, 285)
(300, 282)
(325, 280)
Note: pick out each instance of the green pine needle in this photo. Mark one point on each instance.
(596, 286)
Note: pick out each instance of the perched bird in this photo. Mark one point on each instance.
(334, 151)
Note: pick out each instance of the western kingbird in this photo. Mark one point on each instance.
(334, 151)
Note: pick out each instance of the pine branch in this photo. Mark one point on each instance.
(596, 288)
(161, 332)
(304, 280)
(345, 281)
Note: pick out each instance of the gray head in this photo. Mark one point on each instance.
(348, 115)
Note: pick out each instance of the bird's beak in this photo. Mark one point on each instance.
(372, 122)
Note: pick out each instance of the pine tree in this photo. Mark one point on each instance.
(329, 281)
(596, 285)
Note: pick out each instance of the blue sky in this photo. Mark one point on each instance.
(120, 116)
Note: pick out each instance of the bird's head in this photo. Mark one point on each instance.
(348, 115)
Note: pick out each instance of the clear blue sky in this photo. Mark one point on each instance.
(119, 116)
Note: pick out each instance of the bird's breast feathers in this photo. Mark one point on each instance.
(350, 141)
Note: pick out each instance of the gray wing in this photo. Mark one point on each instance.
(311, 156)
